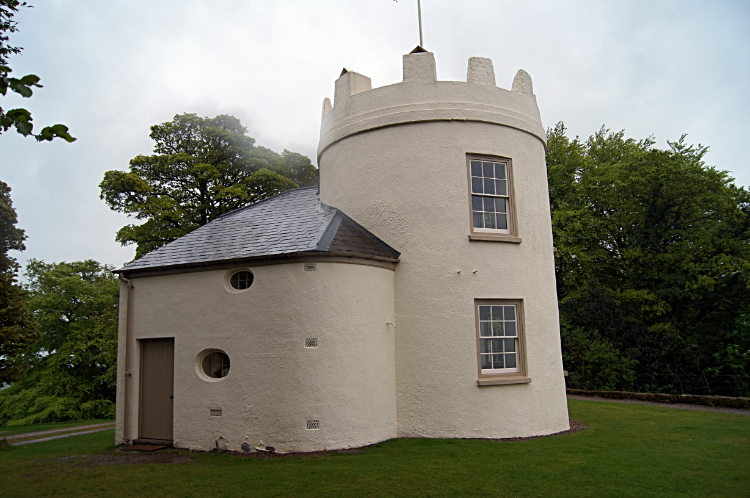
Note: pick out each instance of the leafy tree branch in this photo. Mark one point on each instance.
(20, 118)
(201, 168)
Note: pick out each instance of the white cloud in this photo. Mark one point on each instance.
(112, 69)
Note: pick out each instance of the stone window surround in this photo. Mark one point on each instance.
(518, 377)
(489, 234)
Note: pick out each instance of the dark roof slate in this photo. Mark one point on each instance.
(293, 222)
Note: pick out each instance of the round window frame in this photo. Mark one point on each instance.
(199, 365)
(228, 283)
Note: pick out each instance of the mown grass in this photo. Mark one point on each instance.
(626, 450)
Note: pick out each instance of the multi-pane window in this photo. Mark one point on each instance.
(241, 280)
(501, 357)
(215, 365)
(490, 195)
(498, 338)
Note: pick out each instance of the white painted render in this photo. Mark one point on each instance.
(420, 67)
(422, 100)
(394, 159)
(397, 350)
(275, 384)
(480, 70)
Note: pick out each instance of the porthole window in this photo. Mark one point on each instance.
(215, 365)
(241, 280)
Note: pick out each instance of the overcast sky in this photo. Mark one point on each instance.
(111, 69)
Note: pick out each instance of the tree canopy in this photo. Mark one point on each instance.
(20, 118)
(653, 254)
(71, 373)
(201, 168)
(18, 329)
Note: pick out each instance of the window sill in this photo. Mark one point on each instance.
(501, 381)
(491, 237)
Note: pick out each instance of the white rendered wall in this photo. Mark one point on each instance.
(407, 183)
(121, 367)
(275, 384)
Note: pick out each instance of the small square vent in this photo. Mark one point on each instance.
(311, 266)
(215, 413)
(311, 343)
(313, 425)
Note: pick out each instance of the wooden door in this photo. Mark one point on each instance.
(157, 389)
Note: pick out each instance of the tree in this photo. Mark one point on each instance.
(20, 118)
(18, 329)
(733, 357)
(592, 361)
(71, 374)
(653, 248)
(201, 168)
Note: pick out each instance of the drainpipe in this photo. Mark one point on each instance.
(126, 387)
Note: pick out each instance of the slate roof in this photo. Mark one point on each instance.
(291, 223)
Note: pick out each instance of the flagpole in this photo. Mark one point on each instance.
(419, 13)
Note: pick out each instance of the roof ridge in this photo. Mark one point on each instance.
(329, 231)
(230, 213)
(366, 232)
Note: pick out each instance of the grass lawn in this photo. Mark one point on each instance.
(626, 450)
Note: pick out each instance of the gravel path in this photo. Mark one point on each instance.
(679, 406)
(64, 429)
(62, 436)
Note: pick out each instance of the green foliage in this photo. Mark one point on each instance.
(72, 374)
(594, 358)
(653, 248)
(11, 237)
(201, 168)
(734, 355)
(18, 328)
(8, 9)
(20, 118)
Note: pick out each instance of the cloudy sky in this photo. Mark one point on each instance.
(111, 69)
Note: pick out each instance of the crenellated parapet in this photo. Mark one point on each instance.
(453, 175)
(420, 97)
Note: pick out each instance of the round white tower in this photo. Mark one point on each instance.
(453, 175)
